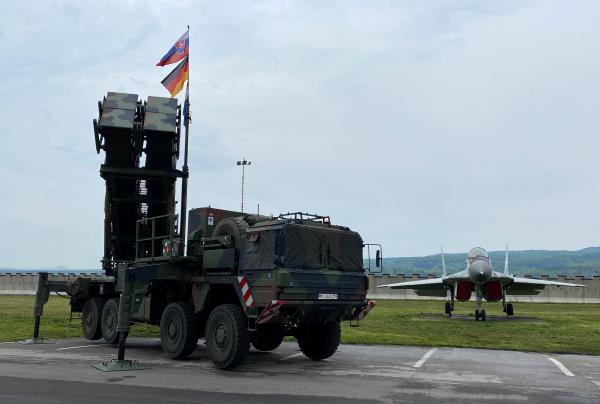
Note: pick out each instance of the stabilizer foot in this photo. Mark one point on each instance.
(32, 341)
(116, 365)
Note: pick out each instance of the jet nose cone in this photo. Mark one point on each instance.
(480, 271)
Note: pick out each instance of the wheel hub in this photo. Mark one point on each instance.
(110, 321)
(221, 336)
(173, 330)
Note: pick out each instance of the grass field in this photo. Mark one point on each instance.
(540, 327)
(16, 320)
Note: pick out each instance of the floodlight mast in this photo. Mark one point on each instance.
(243, 162)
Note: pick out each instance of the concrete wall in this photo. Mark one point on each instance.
(551, 294)
(26, 283)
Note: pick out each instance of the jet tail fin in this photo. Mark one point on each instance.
(506, 261)
(443, 263)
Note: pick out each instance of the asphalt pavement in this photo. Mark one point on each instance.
(62, 372)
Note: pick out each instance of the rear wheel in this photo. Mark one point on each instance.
(482, 315)
(110, 315)
(91, 318)
(319, 340)
(227, 339)
(267, 339)
(178, 330)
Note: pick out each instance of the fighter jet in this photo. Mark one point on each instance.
(480, 277)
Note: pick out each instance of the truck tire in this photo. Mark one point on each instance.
(267, 339)
(110, 320)
(91, 318)
(227, 337)
(319, 340)
(231, 226)
(178, 330)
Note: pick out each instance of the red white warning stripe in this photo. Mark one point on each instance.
(269, 312)
(363, 313)
(245, 288)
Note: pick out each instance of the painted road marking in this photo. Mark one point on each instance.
(8, 342)
(562, 367)
(424, 358)
(292, 356)
(75, 347)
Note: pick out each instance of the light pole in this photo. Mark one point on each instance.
(243, 162)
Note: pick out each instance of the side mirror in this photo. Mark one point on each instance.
(378, 258)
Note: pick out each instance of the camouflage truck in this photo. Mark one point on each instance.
(249, 280)
(241, 279)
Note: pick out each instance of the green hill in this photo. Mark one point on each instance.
(535, 262)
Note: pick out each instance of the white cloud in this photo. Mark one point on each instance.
(466, 122)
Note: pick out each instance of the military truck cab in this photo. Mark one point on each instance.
(293, 275)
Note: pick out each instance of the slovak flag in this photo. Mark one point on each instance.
(177, 52)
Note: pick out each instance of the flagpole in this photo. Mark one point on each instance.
(184, 181)
(185, 170)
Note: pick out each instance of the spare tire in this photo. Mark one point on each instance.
(232, 226)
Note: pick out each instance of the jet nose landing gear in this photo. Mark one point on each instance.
(448, 309)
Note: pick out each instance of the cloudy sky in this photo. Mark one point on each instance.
(412, 122)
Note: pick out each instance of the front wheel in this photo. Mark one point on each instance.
(178, 330)
(319, 340)
(509, 310)
(448, 309)
(227, 338)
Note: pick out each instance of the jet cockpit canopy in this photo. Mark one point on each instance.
(478, 252)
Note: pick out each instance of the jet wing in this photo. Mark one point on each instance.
(423, 287)
(424, 283)
(530, 281)
(528, 286)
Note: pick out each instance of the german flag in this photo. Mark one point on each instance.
(176, 79)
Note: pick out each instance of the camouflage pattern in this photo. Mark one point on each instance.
(163, 105)
(312, 270)
(117, 119)
(161, 114)
(118, 111)
(120, 101)
(159, 122)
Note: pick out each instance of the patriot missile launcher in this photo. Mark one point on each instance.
(240, 280)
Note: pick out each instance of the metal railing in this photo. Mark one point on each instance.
(157, 233)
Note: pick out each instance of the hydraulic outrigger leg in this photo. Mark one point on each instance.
(125, 305)
(41, 298)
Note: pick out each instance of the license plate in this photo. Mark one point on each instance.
(328, 296)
